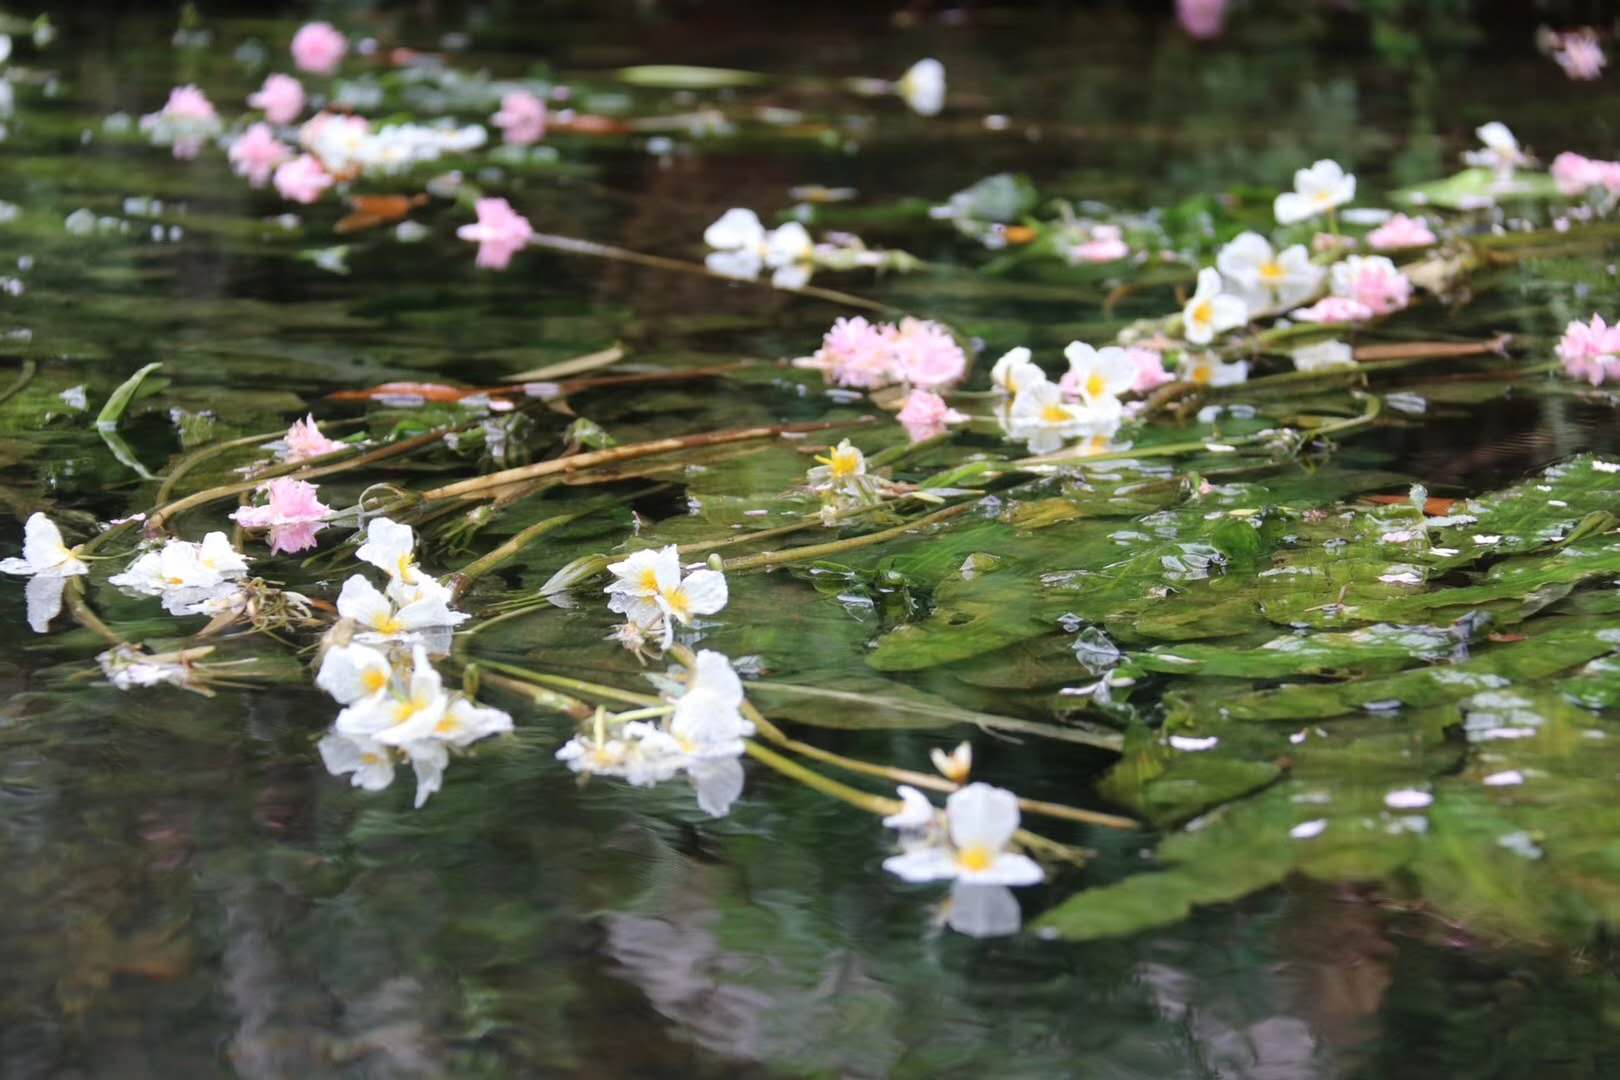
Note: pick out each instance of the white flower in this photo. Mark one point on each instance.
(789, 252)
(708, 720)
(916, 812)
(980, 820)
(391, 547)
(1211, 311)
(1015, 371)
(643, 754)
(744, 247)
(410, 710)
(428, 606)
(44, 553)
(840, 469)
(354, 672)
(648, 590)
(956, 765)
(1040, 416)
(1206, 369)
(371, 762)
(180, 564)
(1099, 376)
(1317, 190)
(1323, 354)
(922, 87)
(129, 666)
(1501, 152)
(1265, 281)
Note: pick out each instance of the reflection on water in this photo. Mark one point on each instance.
(187, 892)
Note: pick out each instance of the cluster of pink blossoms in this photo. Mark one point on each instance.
(864, 355)
(291, 512)
(1576, 175)
(1591, 351)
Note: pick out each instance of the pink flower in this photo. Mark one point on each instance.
(1401, 231)
(925, 415)
(1591, 351)
(189, 103)
(304, 440)
(1373, 281)
(1575, 175)
(281, 97)
(257, 153)
(318, 47)
(292, 513)
(1105, 245)
(1150, 372)
(1334, 309)
(302, 179)
(522, 118)
(855, 353)
(185, 120)
(1202, 18)
(925, 354)
(500, 233)
(1580, 55)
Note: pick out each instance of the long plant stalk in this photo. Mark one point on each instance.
(594, 458)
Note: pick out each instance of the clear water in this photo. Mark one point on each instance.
(187, 892)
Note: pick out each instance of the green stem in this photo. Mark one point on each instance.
(783, 556)
(24, 377)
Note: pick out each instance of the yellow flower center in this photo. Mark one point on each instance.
(1203, 313)
(1055, 414)
(406, 563)
(369, 758)
(680, 605)
(975, 857)
(387, 624)
(448, 726)
(405, 710)
(649, 580)
(1272, 272)
(374, 680)
(1202, 374)
(1096, 385)
(1322, 198)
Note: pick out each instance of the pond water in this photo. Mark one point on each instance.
(1367, 759)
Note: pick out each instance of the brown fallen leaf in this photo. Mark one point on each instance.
(371, 211)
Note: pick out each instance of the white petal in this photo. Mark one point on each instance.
(1291, 208)
(915, 813)
(737, 228)
(44, 595)
(705, 592)
(982, 816)
(983, 910)
(924, 864)
(428, 760)
(1007, 869)
(718, 783)
(359, 600)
